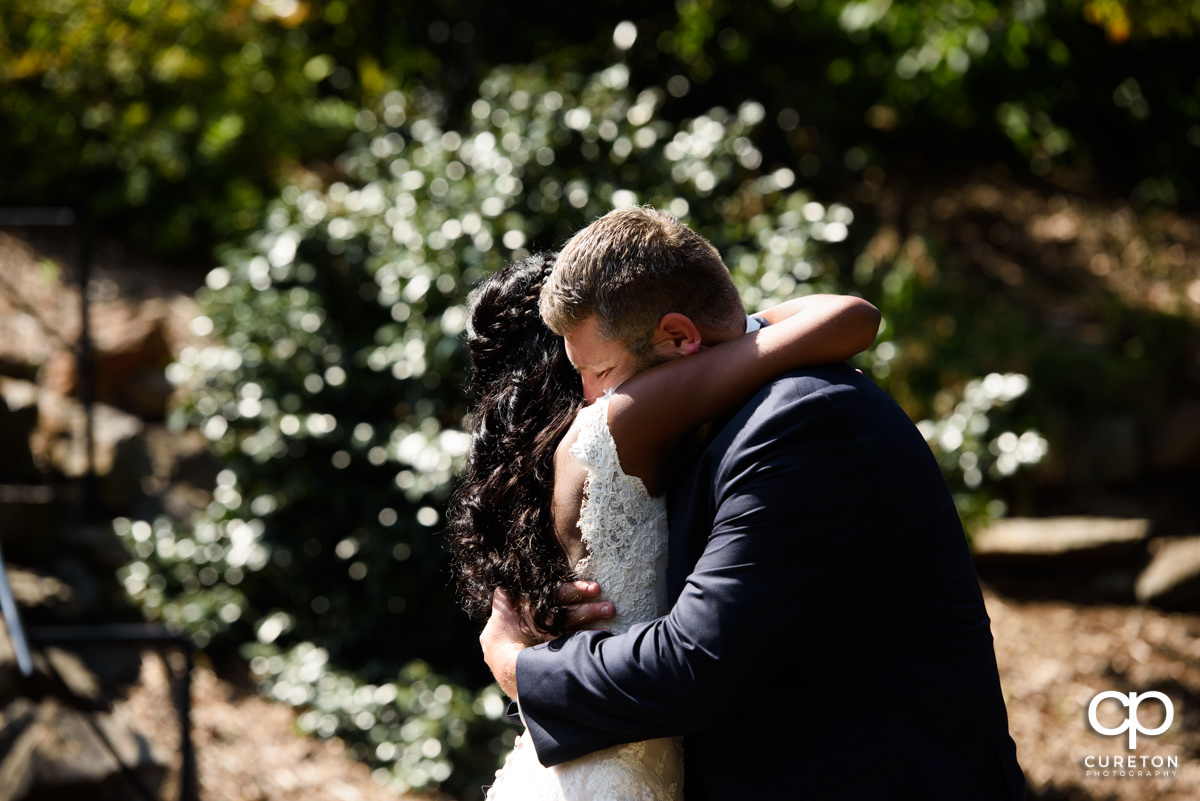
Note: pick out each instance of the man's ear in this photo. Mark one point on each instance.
(676, 335)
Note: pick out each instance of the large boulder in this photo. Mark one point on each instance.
(30, 517)
(18, 421)
(1060, 540)
(1083, 559)
(131, 348)
(1172, 579)
(1175, 438)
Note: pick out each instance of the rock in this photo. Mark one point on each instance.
(1111, 451)
(30, 518)
(38, 595)
(96, 544)
(11, 680)
(61, 440)
(15, 717)
(1172, 579)
(18, 421)
(131, 349)
(80, 680)
(121, 487)
(1060, 539)
(1175, 438)
(56, 754)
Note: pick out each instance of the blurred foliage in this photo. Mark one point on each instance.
(168, 118)
(173, 122)
(1103, 88)
(335, 395)
(362, 164)
(418, 730)
(970, 450)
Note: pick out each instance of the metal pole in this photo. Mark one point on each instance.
(189, 789)
(12, 619)
(87, 389)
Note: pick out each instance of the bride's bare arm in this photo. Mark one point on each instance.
(652, 410)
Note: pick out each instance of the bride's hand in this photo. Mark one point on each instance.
(583, 608)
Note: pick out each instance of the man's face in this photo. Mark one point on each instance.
(602, 363)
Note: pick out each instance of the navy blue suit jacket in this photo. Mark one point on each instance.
(827, 638)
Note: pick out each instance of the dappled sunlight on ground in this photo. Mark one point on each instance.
(1055, 657)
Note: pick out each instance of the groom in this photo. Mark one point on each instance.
(827, 638)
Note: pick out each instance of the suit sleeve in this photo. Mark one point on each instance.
(793, 538)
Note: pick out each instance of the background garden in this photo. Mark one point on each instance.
(1013, 184)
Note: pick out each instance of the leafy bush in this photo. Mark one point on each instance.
(175, 122)
(970, 451)
(337, 392)
(173, 118)
(416, 730)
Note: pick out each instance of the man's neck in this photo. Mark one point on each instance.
(715, 336)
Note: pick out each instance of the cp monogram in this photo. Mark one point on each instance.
(1131, 721)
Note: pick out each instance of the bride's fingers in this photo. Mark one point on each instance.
(576, 592)
(509, 622)
(583, 614)
(530, 629)
(502, 602)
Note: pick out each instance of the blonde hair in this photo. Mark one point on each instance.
(628, 269)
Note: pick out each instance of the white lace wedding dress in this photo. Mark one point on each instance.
(624, 529)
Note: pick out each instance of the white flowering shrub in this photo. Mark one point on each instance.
(418, 729)
(970, 450)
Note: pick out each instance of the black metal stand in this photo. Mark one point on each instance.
(125, 634)
(62, 217)
(101, 634)
(137, 634)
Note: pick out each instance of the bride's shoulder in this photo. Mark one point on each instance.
(594, 419)
(571, 437)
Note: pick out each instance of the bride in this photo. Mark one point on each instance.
(556, 490)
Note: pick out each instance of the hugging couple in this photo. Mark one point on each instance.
(735, 575)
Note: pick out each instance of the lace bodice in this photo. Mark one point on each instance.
(624, 529)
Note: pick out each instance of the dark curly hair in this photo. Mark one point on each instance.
(500, 528)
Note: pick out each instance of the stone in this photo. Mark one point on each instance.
(1172, 579)
(35, 592)
(1175, 438)
(30, 519)
(56, 754)
(80, 680)
(18, 421)
(15, 717)
(61, 440)
(96, 544)
(131, 348)
(1110, 451)
(1060, 539)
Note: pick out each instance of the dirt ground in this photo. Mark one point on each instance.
(247, 748)
(1054, 657)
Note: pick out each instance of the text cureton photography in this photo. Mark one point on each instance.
(1122, 714)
